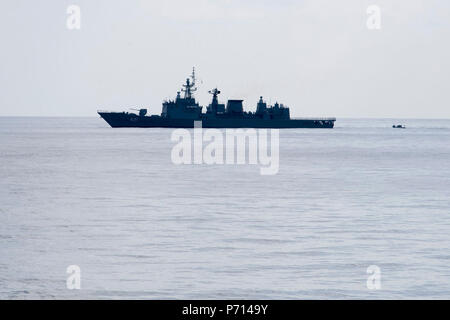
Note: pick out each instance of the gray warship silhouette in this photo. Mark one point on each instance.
(184, 111)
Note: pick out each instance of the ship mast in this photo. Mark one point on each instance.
(214, 92)
(214, 103)
(189, 87)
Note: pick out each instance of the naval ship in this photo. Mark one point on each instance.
(184, 111)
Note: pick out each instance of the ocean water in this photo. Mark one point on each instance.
(75, 192)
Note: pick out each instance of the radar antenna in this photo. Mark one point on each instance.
(214, 92)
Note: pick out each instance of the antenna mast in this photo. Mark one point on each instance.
(189, 87)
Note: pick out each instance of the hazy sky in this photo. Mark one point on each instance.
(316, 56)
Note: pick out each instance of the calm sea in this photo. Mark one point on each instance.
(75, 192)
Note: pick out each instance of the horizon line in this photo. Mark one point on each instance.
(344, 117)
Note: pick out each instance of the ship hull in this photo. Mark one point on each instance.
(130, 120)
